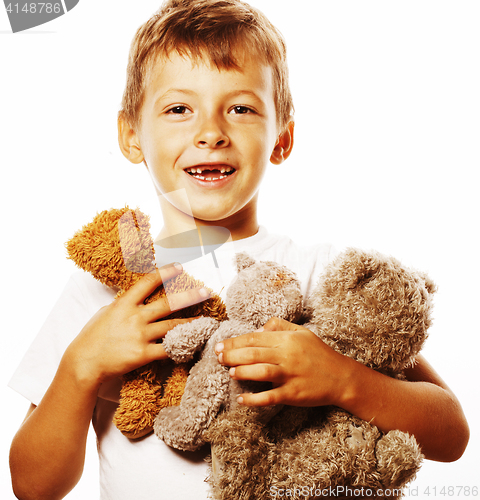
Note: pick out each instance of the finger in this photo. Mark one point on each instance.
(261, 372)
(159, 329)
(169, 271)
(173, 302)
(157, 352)
(253, 339)
(280, 325)
(147, 284)
(249, 356)
(265, 398)
(187, 298)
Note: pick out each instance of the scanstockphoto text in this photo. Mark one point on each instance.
(362, 492)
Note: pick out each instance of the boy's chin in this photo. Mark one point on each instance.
(202, 210)
(229, 214)
(211, 217)
(209, 210)
(212, 209)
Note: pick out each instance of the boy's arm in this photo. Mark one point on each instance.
(306, 372)
(47, 453)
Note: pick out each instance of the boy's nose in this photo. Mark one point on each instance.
(211, 135)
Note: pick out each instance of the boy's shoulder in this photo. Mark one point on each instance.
(80, 299)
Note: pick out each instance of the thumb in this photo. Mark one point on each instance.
(280, 325)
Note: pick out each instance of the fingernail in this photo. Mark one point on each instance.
(220, 358)
(232, 372)
(240, 400)
(204, 293)
(260, 329)
(219, 347)
(178, 266)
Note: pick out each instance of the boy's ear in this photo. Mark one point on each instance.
(284, 145)
(128, 141)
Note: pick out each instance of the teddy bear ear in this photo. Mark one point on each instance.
(357, 266)
(430, 285)
(243, 261)
(135, 242)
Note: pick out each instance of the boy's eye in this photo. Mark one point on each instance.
(178, 110)
(241, 110)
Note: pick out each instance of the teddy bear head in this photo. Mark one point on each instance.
(116, 247)
(262, 290)
(371, 308)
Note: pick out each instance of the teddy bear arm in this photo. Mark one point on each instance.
(399, 458)
(182, 342)
(345, 451)
(370, 458)
(240, 455)
(182, 427)
(137, 409)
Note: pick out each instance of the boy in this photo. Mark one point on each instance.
(206, 108)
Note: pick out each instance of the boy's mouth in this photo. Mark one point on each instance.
(210, 172)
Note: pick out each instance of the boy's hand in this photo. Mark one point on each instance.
(303, 369)
(123, 336)
(306, 372)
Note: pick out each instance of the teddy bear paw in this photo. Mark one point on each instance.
(182, 342)
(399, 458)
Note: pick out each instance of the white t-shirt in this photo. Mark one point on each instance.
(147, 469)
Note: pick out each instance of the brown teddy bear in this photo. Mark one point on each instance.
(371, 308)
(117, 249)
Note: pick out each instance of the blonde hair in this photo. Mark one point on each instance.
(218, 29)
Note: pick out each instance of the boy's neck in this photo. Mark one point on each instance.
(186, 230)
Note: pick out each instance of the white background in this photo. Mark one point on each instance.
(386, 156)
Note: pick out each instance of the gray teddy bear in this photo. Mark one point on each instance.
(260, 291)
(366, 306)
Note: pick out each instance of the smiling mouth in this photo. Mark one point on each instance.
(210, 172)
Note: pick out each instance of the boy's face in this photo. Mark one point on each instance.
(211, 132)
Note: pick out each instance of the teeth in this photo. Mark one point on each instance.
(215, 178)
(210, 179)
(199, 170)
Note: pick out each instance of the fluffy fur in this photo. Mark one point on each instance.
(261, 290)
(117, 249)
(366, 306)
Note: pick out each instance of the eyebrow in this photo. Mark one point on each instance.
(175, 91)
(233, 93)
(236, 93)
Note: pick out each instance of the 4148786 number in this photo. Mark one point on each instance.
(451, 491)
(35, 8)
